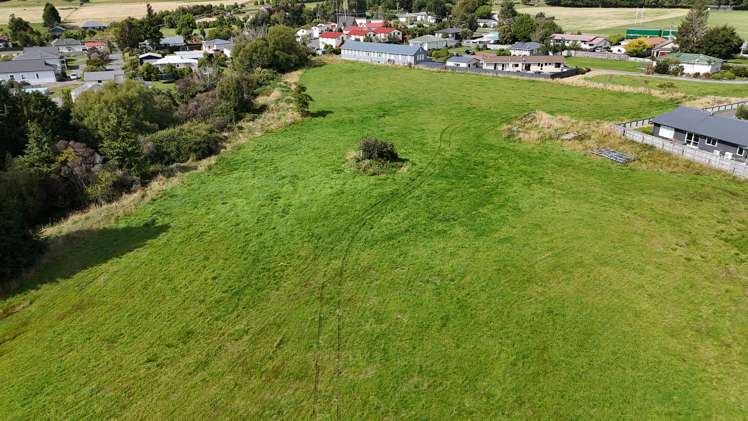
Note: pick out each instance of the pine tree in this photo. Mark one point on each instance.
(50, 15)
(39, 152)
(693, 28)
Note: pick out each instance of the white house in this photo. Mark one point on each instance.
(304, 33)
(525, 49)
(491, 38)
(176, 61)
(429, 42)
(463, 62)
(487, 23)
(333, 39)
(583, 41)
(388, 34)
(374, 52)
(744, 49)
(527, 64)
(695, 63)
(218, 46)
(412, 19)
(68, 45)
(32, 71)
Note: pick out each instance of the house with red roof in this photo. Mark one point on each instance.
(388, 34)
(358, 34)
(333, 39)
(99, 44)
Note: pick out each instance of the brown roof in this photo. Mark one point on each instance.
(491, 58)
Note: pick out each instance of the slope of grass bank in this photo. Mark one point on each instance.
(492, 279)
(696, 89)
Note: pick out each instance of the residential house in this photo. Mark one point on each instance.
(175, 42)
(117, 76)
(5, 43)
(413, 19)
(652, 43)
(333, 39)
(93, 25)
(464, 62)
(149, 58)
(526, 64)
(57, 31)
(491, 38)
(68, 45)
(452, 35)
(358, 34)
(218, 46)
(428, 42)
(373, 52)
(303, 33)
(33, 71)
(193, 54)
(176, 61)
(487, 23)
(97, 44)
(695, 63)
(526, 49)
(743, 49)
(345, 21)
(384, 34)
(702, 130)
(664, 49)
(50, 55)
(583, 41)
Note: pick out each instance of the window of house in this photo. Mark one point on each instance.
(691, 140)
(709, 141)
(740, 152)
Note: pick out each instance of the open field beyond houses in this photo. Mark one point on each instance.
(492, 279)
(100, 11)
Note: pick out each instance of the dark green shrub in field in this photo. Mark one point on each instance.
(377, 150)
(182, 143)
(662, 67)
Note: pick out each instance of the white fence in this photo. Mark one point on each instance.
(725, 107)
(733, 167)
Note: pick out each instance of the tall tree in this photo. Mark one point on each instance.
(22, 34)
(693, 28)
(128, 33)
(186, 25)
(523, 27)
(507, 12)
(150, 27)
(722, 42)
(50, 16)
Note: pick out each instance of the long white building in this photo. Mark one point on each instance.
(373, 52)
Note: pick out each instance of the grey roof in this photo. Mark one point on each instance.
(427, 38)
(461, 59)
(16, 66)
(449, 31)
(218, 43)
(66, 42)
(35, 53)
(92, 24)
(175, 40)
(345, 20)
(57, 29)
(376, 47)
(526, 46)
(103, 75)
(703, 123)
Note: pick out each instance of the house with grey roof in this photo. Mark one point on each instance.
(526, 49)
(34, 71)
(56, 31)
(428, 42)
(68, 45)
(374, 52)
(50, 55)
(93, 25)
(700, 129)
(465, 62)
(217, 45)
(116, 76)
(694, 63)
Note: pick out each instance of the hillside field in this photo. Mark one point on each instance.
(491, 279)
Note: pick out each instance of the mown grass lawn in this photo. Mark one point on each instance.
(596, 63)
(492, 279)
(685, 86)
(737, 19)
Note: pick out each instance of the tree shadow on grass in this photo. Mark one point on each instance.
(321, 113)
(80, 250)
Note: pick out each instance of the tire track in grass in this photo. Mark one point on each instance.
(366, 215)
(375, 214)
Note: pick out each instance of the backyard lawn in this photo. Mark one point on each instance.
(696, 89)
(489, 279)
(596, 63)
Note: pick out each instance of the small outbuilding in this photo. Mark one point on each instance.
(464, 62)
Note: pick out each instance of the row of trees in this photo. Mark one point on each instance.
(638, 3)
(120, 136)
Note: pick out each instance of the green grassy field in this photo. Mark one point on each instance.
(690, 88)
(492, 279)
(595, 63)
(738, 19)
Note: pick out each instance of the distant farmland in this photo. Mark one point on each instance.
(103, 11)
